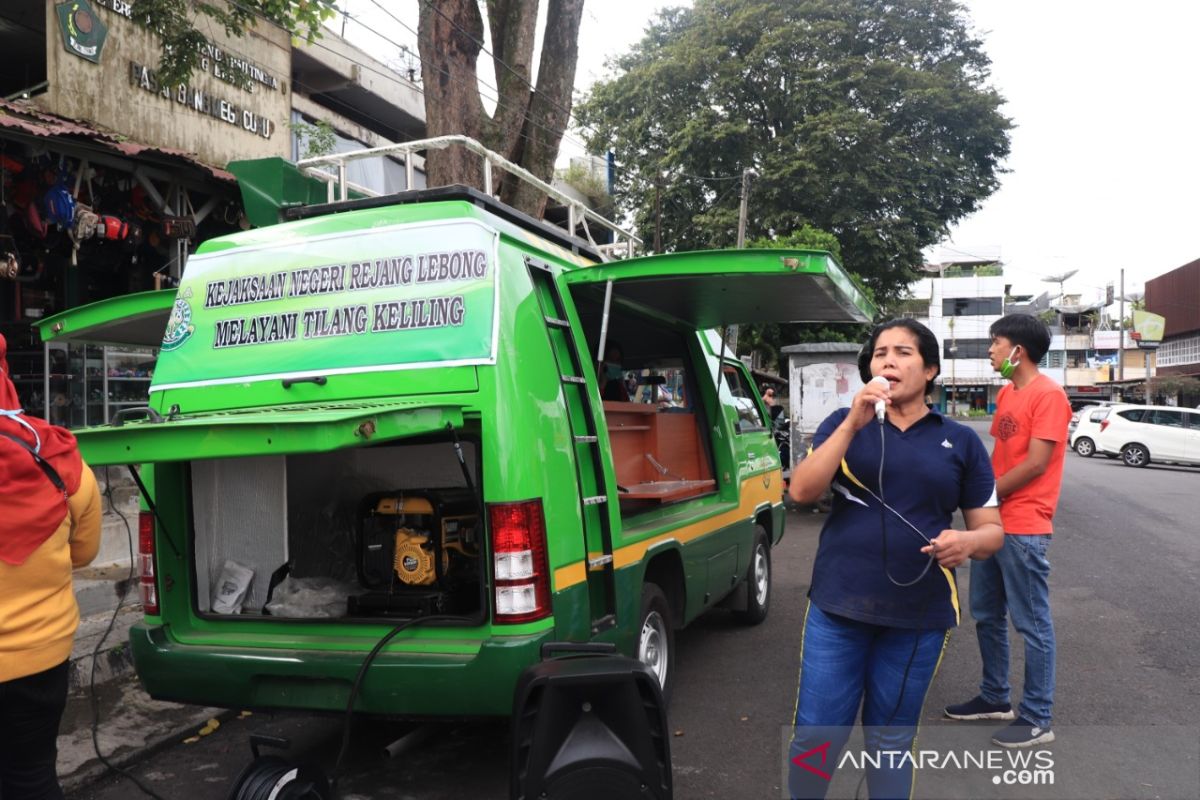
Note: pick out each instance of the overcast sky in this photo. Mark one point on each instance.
(1105, 168)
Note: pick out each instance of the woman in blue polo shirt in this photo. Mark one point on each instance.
(883, 595)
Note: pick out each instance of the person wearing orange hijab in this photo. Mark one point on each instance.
(50, 517)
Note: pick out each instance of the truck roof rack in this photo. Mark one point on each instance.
(546, 230)
(578, 215)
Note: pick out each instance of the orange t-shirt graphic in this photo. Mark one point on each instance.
(1039, 411)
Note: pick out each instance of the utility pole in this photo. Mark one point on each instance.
(744, 208)
(658, 213)
(743, 213)
(953, 370)
(1121, 332)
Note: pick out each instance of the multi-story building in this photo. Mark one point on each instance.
(110, 179)
(965, 298)
(1176, 296)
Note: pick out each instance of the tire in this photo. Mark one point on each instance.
(758, 581)
(1085, 447)
(1135, 455)
(655, 646)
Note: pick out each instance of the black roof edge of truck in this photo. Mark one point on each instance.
(454, 192)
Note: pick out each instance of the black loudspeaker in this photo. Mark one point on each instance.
(591, 728)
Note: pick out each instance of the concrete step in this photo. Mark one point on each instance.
(103, 639)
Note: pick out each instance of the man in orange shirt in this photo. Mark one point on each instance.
(1030, 429)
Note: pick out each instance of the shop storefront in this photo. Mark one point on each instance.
(109, 180)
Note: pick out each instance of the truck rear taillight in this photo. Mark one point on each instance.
(147, 581)
(520, 566)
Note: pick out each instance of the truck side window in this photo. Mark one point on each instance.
(749, 416)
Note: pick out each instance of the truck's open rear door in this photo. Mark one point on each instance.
(710, 289)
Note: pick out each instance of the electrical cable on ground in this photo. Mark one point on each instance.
(95, 701)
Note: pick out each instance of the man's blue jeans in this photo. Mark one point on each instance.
(1016, 579)
(844, 663)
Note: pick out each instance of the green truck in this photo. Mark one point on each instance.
(385, 422)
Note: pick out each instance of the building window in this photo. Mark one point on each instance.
(972, 306)
(965, 348)
(1179, 352)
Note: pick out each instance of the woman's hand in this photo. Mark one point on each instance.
(951, 547)
(862, 408)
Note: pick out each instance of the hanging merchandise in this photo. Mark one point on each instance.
(85, 223)
(10, 164)
(111, 228)
(58, 203)
(34, 221)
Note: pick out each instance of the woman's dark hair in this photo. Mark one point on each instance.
(927, 346)
(1028, 331)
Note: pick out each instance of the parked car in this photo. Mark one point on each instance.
(1141, 434)
(1085, 427)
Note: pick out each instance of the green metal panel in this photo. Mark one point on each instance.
(726, 287)
(270, 185)
(274, 431)
(133, 319)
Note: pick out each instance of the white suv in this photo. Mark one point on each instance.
(1141, 434)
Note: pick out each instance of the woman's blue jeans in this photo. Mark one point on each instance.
(1015, 583)
(844, 663)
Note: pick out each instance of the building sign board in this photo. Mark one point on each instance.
(1148, 329)
(83, 33)
(232, 106)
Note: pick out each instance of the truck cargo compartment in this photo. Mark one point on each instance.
(385, 531)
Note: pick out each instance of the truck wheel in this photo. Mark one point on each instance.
(758, 581)
(656, 638)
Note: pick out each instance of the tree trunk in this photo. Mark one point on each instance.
(549, 105)
(449, 40)
(528, 125)
(513, 25)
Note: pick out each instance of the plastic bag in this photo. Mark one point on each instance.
(231, 588)
(310, 597)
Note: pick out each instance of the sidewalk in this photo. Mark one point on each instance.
(131, 725)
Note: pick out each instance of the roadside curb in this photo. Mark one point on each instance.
(131, 728)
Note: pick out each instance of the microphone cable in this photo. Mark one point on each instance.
(883, 521)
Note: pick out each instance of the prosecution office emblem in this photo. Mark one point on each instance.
(179, 326)
(82, 31)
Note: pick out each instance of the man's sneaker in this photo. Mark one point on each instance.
(978, 708)
(1023, 733)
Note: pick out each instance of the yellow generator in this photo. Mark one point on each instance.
(418, 553)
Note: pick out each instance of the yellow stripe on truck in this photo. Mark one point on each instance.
(757, 490)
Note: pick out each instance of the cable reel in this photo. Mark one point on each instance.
(272, 777)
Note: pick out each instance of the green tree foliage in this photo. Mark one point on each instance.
(174, 23)
(870, 119)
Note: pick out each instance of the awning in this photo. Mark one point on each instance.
(278, 430)
(27, 119)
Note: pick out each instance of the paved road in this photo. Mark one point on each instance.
(1126, 589)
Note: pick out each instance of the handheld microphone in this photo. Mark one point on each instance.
(880, 406)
